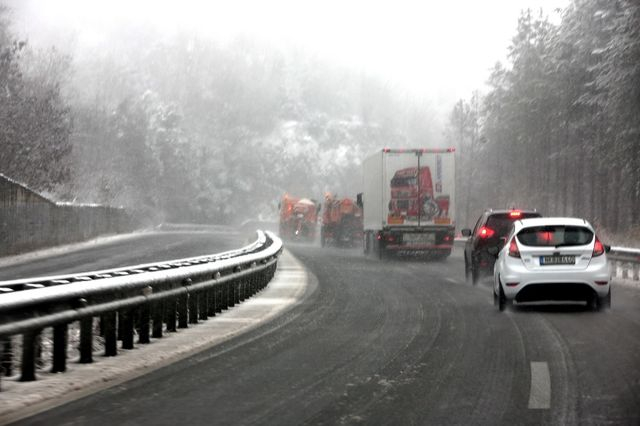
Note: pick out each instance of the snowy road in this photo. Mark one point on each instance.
(395, 343)
(123, 250)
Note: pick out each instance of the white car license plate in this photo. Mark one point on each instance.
(557, 260)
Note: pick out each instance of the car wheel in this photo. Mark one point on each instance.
(594, 303)
(502, 299)
(475, 274)
(601, 303)
(467, 270)
(606, 301)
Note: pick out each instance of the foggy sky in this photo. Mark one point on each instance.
(439, 49)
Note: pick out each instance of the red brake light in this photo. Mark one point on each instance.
(485, 232)
(515, 213)
(513, 249)
(598, 248)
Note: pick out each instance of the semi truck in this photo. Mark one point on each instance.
(341, 222)
(408, 202)
(298, 218)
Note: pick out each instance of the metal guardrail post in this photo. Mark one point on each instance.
(171, 310)
(211, 302)
(231, 299)
(30, 344)
(236, 291)
(6, 360)
(108, 322)
(125, 317)
(145, 322)
(194, 302)
(183, 310)
(157, 314)
(86, 340)
(60, 332)
(203, 308)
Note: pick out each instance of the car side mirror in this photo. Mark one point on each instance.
(466, 232)
(607, 248)
(493, 250)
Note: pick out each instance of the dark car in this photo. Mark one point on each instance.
(487, 238)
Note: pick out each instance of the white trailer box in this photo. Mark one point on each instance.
(409, 201)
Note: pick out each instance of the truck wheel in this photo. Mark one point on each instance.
(366, 242)
(382, 251)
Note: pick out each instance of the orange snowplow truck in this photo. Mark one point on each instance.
(341, 222)
(298, 218)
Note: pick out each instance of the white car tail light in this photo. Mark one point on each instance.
(513, 249)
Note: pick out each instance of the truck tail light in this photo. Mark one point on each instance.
(513, 249)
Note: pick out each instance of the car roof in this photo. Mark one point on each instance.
(550, 221)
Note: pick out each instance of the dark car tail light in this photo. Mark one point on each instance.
(513, 249)
(485, 232)
(598, 248)
(515, 213)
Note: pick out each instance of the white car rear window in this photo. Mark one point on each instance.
(556, 235)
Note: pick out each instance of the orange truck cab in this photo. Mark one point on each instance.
(341, 222)
(298, 218)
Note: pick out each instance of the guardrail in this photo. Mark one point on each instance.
(625, 259)
(144, 298)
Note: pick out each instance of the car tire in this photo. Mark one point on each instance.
(475, 274)
(601, 303)
(467, 270)
(606, 301)
(502, 299)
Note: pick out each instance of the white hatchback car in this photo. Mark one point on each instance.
(546, 259)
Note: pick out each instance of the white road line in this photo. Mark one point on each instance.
(451, 280)
(540, 393)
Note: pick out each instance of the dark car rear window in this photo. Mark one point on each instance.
(559, 235)
(501, 223)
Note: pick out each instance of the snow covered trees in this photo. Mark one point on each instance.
(34, 119)
(562, 120)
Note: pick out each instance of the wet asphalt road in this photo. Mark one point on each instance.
(395, 342)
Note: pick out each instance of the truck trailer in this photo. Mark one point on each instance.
(409, 202)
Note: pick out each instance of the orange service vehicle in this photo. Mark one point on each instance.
(298, 218)
(341, 222)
